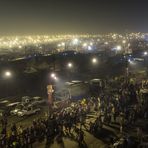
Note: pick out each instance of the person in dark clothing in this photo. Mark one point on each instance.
(81, 137)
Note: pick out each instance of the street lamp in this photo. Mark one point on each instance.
(69, 74)
(145, 53)
(145, 58)
(52, 75)
(69, 65)
(94, 60)
(7, 74)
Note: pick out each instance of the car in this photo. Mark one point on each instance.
(37, 100)
(13, 104)
(17, 109)
(28, 111)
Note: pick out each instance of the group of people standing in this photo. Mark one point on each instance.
(123, 107)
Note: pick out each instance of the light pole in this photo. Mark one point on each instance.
(6, 75)
(145, 61)
(50, 91)
(69, 66)
(94, 62)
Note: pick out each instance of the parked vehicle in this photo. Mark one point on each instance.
(73, 90)
(17, 109)
(37, 100)
(28, 111)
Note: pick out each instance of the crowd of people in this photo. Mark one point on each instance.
(122, 106)
(64, 122)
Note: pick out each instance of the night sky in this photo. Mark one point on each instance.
(22, 17)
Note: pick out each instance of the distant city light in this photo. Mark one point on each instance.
(63, 44)
(59, 45)
(20, 47)
(124, 41)
(75, 41)
(84, 44)
(89, 48)
(118, 48)
(91, 43)
(106, 43)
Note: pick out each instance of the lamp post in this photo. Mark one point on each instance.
(69, 66)
(94, 63)
(50, 92)
(127, 70)
(145, 54)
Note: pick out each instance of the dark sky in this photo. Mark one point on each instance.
(72, 16)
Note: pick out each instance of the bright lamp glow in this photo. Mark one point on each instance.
(52, 75)
(69, 65)
(89, 48)
(7, 74)
(124, 41)
(63, 44)
(55, 78)
(91, 43)
(106, 43)
(118, 47)
(145, 53)
(75, 41)
(20, 47)
(94, 60)
(84, 44)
